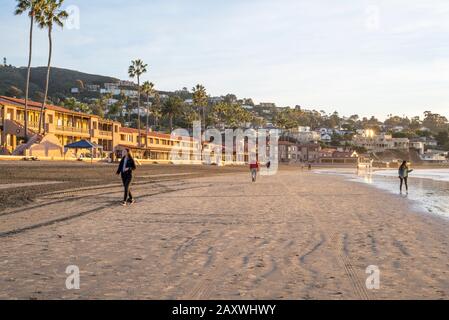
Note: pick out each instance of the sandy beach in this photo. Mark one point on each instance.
(295, 235)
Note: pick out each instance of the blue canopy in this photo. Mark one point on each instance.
(83, 144)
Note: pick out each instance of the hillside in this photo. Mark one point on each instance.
(61, 80)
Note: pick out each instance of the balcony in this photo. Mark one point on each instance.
(31, 124)
(72, 129)
(105, 133)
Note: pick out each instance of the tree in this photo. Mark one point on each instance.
(443, 138)
(13, 91)
(230, 115)
(49, 15)
(100, 105)
(135, 70)
(157, 109)
(31, 7)
(434, 121)
(148, 90)
(75, 105)
(200, 100)
(172, 107)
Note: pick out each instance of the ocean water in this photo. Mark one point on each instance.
(428, 188)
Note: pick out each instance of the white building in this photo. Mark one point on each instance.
(304, 135)
(380, 143)
(435, 156)
(326, 138)
(418, 145)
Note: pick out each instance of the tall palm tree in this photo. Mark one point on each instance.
(200, 100)
(136, 69)
(49, 15)
(32, 7)
(172, 107)
(148, 89)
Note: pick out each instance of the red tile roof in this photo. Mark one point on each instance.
(37, 105)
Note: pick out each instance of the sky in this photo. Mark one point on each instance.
(366, 57)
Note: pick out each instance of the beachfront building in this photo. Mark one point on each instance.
(333, 156)
(379, 142)
(309, 152)
(288, 151)
(62, 126)
(435, 156)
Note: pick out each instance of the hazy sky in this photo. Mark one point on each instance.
(354, 56)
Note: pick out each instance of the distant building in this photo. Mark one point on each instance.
(380, 143)
(93, 88)
(309, 152)
(287, 151)
(214, 100)
(418, 145)
(398, 129)
(304, 135)
(327, 138)
(437, 156)
(267, 105)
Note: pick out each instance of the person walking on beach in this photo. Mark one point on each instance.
(254, 167)
(403, 175)
(125, 169)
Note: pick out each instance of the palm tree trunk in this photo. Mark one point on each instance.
(171, 123)
(148, 122)
(27, 85)
(138, 111)
(50, 48)
(204, 119)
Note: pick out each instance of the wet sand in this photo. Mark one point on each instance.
(296, 235)
(23, 182)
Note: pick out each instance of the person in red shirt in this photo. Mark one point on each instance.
(254, 167)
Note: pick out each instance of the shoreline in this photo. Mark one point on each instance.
(427, 194)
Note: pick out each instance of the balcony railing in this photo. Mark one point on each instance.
(105, 133)
(31, 124)
(72, 129)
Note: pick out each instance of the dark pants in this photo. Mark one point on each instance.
(404, 180)
(127, 179)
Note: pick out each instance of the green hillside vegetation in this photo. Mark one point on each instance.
(61, 82)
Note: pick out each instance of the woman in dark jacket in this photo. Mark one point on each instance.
(403, 175)
(126, 167)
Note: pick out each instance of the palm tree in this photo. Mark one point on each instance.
(200, 100)
(172, 107)
(136, 69)
(157, 108)
(148, 89)
(49, 15)
(32, 7)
